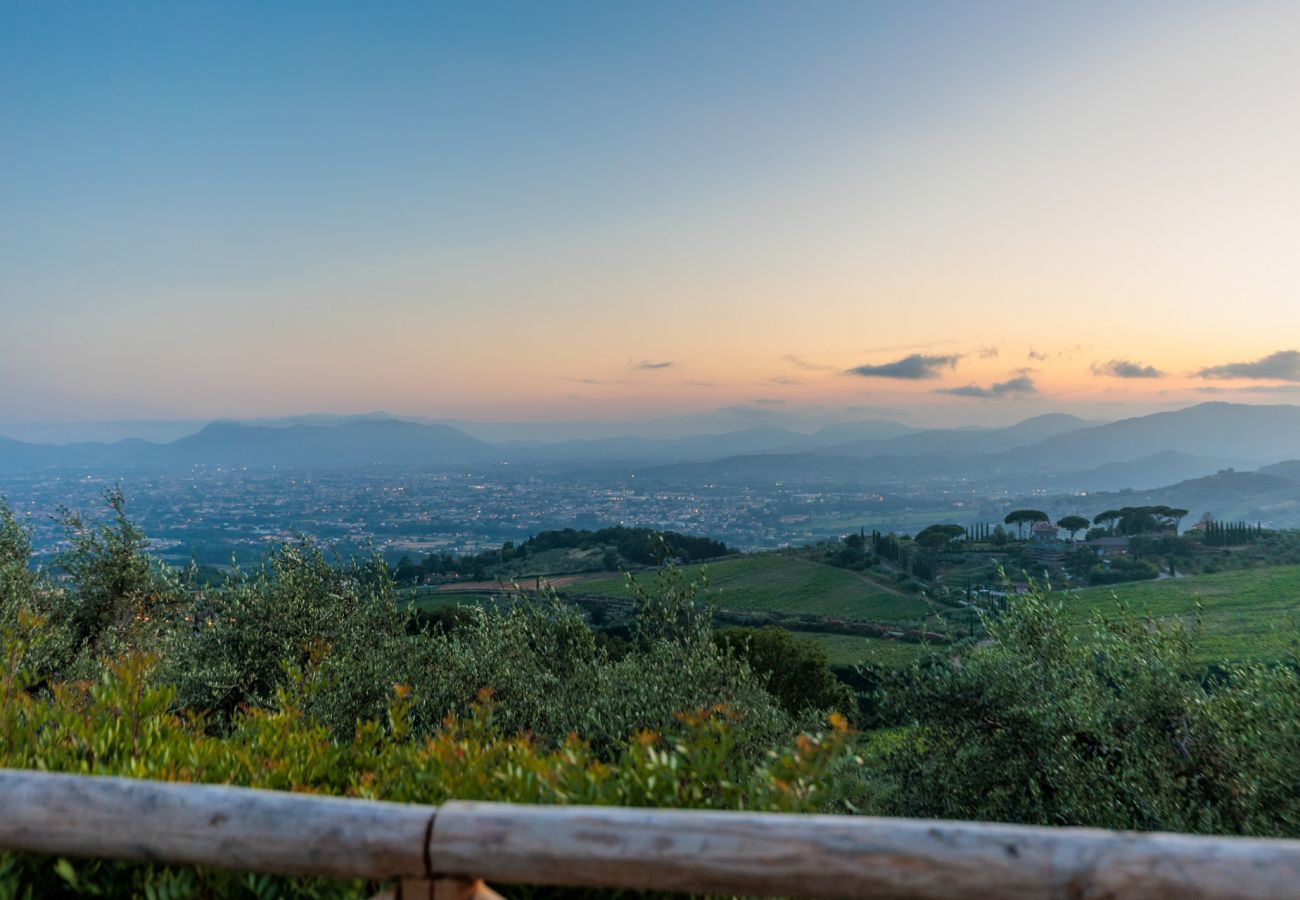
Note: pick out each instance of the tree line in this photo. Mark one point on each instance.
(621, 545)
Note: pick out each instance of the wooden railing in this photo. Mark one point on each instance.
(444, 851)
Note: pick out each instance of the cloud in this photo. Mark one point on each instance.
(1252, 389)
(987, 352)
(800, 363)
(903, 348)
(768, 401)
(1020, 384)
(1034, 354)
(1281, 366)
(916, 367)
(784, 380)
(651, 364)
(1123, 368)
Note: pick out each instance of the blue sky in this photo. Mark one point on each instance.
(245, 208)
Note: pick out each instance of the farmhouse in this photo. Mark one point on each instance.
(1044, 533)
(1108, 547)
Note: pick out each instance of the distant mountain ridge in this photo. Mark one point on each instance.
(352, 443)
(1066, 450)
(1073, 453)
(965, 441)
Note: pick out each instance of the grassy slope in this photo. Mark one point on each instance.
(850, 649)
(1249, 614)
(778, 582)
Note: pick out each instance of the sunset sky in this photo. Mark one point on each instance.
(937, 211)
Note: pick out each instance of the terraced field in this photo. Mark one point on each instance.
(778, 582)
(1253, 614)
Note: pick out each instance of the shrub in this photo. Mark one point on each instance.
(1110, 726)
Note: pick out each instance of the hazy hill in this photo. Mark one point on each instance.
(1228, 495)
(1140, 451)
(1261, 434)
(964, 441)
(22, 455)
(1288, 469)
(1062, 450)
(1152, 471)
(360, 442)
(869, 430)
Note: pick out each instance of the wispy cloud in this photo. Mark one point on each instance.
(903, 348)
(1035, 355)
(784, 380)
(650, 364)
(917, 367)
(1251, 389)
(800, 363)
(1021, 384)
(1124, 368)
(987, 352)
(1281, 366)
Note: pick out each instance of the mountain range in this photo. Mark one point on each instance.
(1065, 451)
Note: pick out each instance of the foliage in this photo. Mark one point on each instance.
(635, 546)
(111, 595)
(1112, 727)
(236, 643)
(1022, 517)
(1073, 524)
(316, 675)
(793, 669)
(1230, 534)
(1122, 569)
(120, 724)
(938, 537)
(1131, 520)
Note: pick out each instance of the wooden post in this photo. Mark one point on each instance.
(442, 853)
(848, 856)
(212, 825)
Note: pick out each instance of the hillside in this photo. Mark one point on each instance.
(1252, 614)
(778, 582)
(1240, 431)
(965, 441)
(1070, 453)
(1287, 469)
(1228, 495)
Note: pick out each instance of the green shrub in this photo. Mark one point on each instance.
(1111, 727)
(121, 724)
(792, 668)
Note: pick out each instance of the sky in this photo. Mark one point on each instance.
(940, 212)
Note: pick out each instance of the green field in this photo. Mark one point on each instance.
(777, 582)
(851, 649)
(1247, 614)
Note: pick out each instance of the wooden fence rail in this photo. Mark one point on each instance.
(444, 850)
